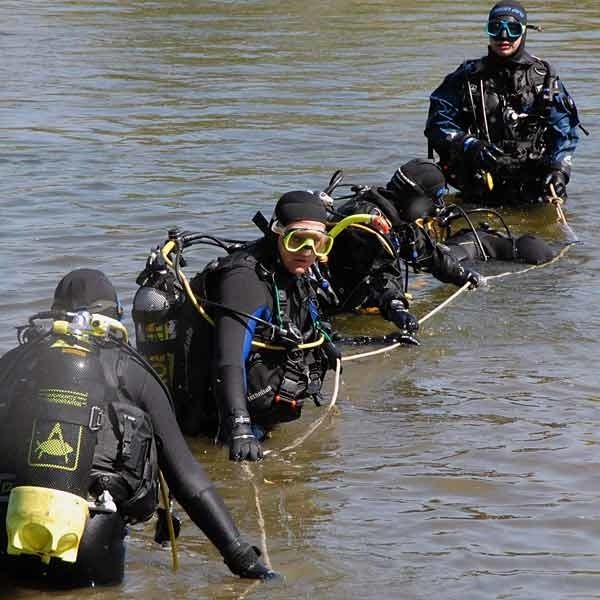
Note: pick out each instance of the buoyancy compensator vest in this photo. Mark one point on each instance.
(516, 105)
(287, 363)
(77, 442)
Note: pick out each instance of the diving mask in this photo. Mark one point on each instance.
(320, 242)
(513, 29)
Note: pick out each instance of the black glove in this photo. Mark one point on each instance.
(474, 278)
(244, 560)
(559, 181)
(398, 314)
(243, 445)
(480, 155)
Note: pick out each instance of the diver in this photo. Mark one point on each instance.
(367, 268)
(85, 425)
(245, 347)
(504, 126)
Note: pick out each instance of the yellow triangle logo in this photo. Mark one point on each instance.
(54, 445)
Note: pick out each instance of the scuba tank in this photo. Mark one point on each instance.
(156, 307)
(54, 420)
(73, 437)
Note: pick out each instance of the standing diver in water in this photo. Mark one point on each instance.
(504, 126)
(250, 347)
(365, 266)
(84, 426)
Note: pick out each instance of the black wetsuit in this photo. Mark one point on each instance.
(365, 268)
(227, 376)
(101, 553)
(464, 245)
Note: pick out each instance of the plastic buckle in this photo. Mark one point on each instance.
(288, 388)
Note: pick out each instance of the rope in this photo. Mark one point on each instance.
(422, 320)
(558, 202)
(562, 252)
(466, 286)
(165, 499)
(317, 423)
(261, 520)
(294, 444)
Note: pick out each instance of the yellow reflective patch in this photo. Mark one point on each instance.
(164, 365)
(63, 344)
(59, 448)
(69, 397)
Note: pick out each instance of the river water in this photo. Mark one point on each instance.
(464, 468)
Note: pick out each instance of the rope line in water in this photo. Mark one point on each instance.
(314, 426)
(299, 440)
(562, 252)
(261, 520)
(422, 320)
(167, 505)
(466, 286)
(336, 388)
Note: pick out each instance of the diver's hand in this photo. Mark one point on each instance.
(480, 155)
(474, 278)
(401, 318)
(244, 560)
(243, 445)
(558, 180)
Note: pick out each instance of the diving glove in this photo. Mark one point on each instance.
(474, 278)
(558, 180)
(244, 560)
(480, 155)
(398, 314)
(243, 444)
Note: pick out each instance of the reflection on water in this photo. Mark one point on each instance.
(462, 468)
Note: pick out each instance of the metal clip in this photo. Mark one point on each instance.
(96, 418)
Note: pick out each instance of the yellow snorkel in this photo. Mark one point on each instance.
(378, 223)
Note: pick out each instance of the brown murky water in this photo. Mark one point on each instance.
(465, 468)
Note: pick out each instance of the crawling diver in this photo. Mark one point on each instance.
(368, 268)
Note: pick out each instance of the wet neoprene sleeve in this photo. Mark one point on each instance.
(435, 258)
(184, 475)
(241, 289)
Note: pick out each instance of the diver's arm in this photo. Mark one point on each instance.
(563, 136)
(190, 485)
(240, 289)
(432, 257)
(445, 121)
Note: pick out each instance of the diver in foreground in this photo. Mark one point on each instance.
(85, 424)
